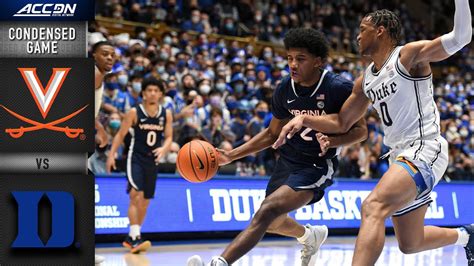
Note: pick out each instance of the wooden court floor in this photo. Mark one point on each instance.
(336, 251)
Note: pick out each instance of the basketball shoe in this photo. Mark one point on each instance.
(139, 245)
(99, 259)
(197, 261)
(470, 244)
(127, 243)
(313, 243)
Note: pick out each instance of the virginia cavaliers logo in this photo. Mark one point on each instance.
(44, 98)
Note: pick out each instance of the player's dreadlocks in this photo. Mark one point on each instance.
(389, 20)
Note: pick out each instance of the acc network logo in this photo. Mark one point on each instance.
(62, 228)
(44, 98)
(46, 10)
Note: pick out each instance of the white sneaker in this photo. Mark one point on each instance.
(313, 243)
(99, 259)
(195, 261)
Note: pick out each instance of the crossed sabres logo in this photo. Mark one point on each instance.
(44, 98)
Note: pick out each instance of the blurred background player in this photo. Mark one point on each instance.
(150, 127)
(398, 83)
(104, 57)
(303, 170)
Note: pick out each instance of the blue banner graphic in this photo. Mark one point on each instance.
(229, 205)
(47, 10)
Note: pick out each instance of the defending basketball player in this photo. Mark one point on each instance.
(301, 173)
(150, 126)
(398, 83)
(104, 57)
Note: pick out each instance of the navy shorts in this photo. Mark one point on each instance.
(315, 176)
(141, 175)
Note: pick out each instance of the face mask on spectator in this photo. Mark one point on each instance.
(171, 93)
(251, 89)
(229, 26)
(142, 35)
(243, 115)
(137, 87)
(138, 68)
(220, 87)
(261, 114)
(258, 18)
(112, 85)
(172, 70)
(267, 54)
(114, 124)
(204, 89)
(164, 56)
(239, 88)
(195, 19)
(210, 73)
(458, 146)
(371, 127)
(171, 157)
(122, 79)
(160, 69)
(231, 105)
(181, 63)
(452, 129)
(167, 40)
(215, 101)
(463, 132)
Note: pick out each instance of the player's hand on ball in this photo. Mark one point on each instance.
(224, 157)
(289, 130)
(323, 143)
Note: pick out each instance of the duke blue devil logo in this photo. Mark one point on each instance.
(62, 228)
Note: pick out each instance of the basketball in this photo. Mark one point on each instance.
(197, 161)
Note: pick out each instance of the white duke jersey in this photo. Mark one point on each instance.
(405, 104)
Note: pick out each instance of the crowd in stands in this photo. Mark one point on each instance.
(221, 91)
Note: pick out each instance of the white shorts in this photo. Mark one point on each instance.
(431, 160)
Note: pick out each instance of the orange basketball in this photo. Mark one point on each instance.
(197, 161)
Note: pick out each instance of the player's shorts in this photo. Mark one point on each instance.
(315, 176)
(141, 175)
(426, 161)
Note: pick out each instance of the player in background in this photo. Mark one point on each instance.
(150, 127)
(398, 83)
(104, 57)
(305, 166)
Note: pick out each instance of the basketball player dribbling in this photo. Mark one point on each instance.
(104, 57)
(150, 126)
(305, 167)
(398, 83)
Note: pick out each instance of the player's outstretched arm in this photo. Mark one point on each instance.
(426, 51)
(129, 119)
(352, 111)
(356, 134)
(259, 142)
(168, 133)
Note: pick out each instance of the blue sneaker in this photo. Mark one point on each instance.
(470, 244)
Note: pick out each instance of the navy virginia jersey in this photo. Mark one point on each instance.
(325, 97)
(148, 133)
